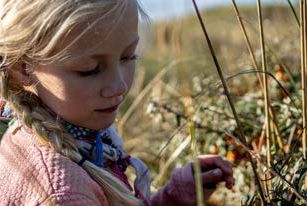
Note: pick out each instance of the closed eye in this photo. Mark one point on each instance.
(96, 70)
(129, 58)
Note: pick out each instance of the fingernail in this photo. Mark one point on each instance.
(217, 172)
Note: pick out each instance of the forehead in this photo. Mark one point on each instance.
(104, 33)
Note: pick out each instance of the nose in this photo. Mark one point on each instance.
(117, 86)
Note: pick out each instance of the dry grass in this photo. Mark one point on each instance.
(156, 120)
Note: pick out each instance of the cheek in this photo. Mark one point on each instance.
(50, 86)
(60, 88)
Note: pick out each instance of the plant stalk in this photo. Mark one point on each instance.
(266, 98)
(242, 136)
(254, 62)
(294, 12)
(303, 71)
(265, 83)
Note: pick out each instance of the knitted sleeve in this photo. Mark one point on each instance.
(70, 199)
(179, 191)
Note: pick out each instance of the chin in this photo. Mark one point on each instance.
(101, 122)
(103, 125)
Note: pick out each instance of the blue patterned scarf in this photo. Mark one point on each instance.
(104, 148)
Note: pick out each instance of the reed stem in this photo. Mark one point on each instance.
(254, 62)
(196, 166)
(303, 71)
(294, 12)
(242, 136)
(265, 83)
(268, 182)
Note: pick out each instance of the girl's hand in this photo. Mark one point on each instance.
(213, 171)
(180, 190)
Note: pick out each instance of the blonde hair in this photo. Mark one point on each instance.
(29, 33)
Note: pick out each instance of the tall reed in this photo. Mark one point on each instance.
(242, 136)
(255, 65)
(294, 12)
(303, 72)
(268, 181)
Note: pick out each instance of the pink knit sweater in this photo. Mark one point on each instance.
(32, 174)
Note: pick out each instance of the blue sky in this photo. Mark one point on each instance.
(157, 8)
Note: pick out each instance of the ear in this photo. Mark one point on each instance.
(22, 73)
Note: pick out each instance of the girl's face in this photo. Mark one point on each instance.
(97, 77)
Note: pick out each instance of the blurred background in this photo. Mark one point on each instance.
(177, 108)
(156, 9)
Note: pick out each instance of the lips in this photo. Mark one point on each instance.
(107, 110)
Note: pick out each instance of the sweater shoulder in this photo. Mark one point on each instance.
(30, 172)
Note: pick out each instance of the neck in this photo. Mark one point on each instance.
(78, 132)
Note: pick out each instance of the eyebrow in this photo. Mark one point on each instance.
(134, 42)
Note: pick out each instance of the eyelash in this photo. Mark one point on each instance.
(129, 58)
(96, 70)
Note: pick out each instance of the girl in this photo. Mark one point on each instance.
(66, 66)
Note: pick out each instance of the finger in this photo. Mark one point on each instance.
(208, 162)
(213, 176)
(229, 182)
